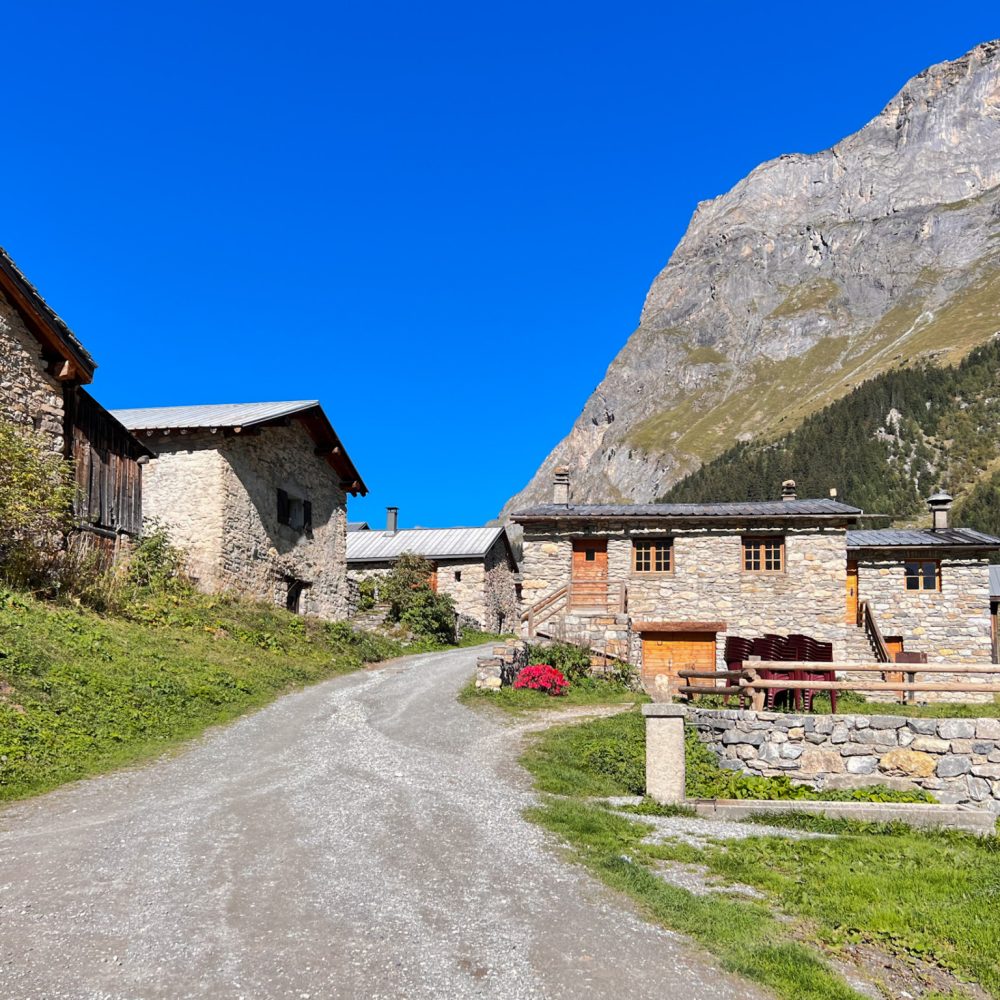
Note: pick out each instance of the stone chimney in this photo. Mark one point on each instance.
(560, 489)
(940, 505)
(788, 489)
(391, 520)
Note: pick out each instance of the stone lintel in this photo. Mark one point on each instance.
(664, 710)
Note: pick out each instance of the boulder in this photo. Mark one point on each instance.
(911, 763)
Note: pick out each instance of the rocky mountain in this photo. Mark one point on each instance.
(814, 273)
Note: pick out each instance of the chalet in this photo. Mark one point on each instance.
(43, 368)
(663, 585)
(475, 567)
(256, 493)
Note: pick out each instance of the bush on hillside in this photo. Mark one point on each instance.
(36, 497)
(572, 660)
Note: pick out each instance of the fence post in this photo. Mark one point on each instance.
(665, 771)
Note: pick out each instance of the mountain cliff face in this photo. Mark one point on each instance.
(812, 274)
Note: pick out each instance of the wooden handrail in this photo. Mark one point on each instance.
(826, 667)
(866, 619)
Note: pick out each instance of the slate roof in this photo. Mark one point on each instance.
(63, 334)
(357, 526)
(432, 543)
(748, 509)
(896, 538)
(215, 415)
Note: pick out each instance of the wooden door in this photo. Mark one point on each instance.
(852, 593)
(590, 573)
(665, 653)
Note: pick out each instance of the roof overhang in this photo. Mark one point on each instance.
(69, 360)
(699, 520)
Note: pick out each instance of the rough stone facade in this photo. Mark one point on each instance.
(956, 760)
(29, 396)
(950, 625)
(217, 495)
(708, 583)
(482, 589)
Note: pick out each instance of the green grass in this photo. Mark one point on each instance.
(921, 895)
(81, 693)
(853, 704)
(582, 692)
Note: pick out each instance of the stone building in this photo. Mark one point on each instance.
(256, 494)
(662, 585)
(475, 567)
(43, 368)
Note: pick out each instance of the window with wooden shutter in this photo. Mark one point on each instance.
(284, 508)
(652, 555)
(764, 555)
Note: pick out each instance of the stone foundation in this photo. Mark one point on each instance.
(956, 760)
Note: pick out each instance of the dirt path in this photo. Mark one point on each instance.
(362, 838)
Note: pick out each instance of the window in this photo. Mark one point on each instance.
(458, 576)
(924, 574)
(590, 555)
(764, 555)
(653, 555)
(295, 512)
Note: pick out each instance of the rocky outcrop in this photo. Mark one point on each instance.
(815, 272)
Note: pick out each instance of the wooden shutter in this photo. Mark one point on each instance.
(284, 508)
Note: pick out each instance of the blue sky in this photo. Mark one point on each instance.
(440, 220)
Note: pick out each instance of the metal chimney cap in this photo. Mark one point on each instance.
(940, 499)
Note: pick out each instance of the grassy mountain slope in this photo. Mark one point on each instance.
(885, 446)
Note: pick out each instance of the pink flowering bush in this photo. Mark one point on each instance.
(542, 677)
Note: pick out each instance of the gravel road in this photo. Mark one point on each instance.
(362, 838)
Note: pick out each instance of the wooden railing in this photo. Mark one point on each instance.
(604, 595)
(757, 686)
(866, 620)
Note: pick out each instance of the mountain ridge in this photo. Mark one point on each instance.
(812, 274)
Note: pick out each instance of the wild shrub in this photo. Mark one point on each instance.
(36, 498)
(412, 602)
(570, 659)
(156, 564)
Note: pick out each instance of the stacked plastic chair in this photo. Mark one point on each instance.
(737, 651)
(821, 652)
(771, 647)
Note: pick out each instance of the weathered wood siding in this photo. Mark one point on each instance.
(106, 458)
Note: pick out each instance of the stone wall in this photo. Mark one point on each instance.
(500, 669)
(29, 396)
(956, 760)
(950, 625)
(708, 582)
(217, 494)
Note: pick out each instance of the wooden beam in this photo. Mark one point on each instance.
(761, 685)
(819, 667)
(653, 626)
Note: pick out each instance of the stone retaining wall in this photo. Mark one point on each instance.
(500, 669)
(956, 760)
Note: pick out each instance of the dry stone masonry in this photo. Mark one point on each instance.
(956, 760)
(29, 396)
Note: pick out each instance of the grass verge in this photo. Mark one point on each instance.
(588, 691)
(82, 693)
(924, 897)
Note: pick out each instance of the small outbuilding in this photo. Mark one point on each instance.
(475, 567)
(256, 493)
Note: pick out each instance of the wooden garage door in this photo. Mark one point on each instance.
(664, 653)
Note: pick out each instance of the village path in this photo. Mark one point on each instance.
(359, 839)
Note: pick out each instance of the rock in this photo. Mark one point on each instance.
(979, 789)
(816, 761)
(925, 727)
(887, 722)
(988, 729)
(956, 729)
(735, 736)
(839, 734)
(951, 766)
(912, 763)
(930, 744)
(862, 765)
(986, 770)
(797, 251)
(796, 733)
